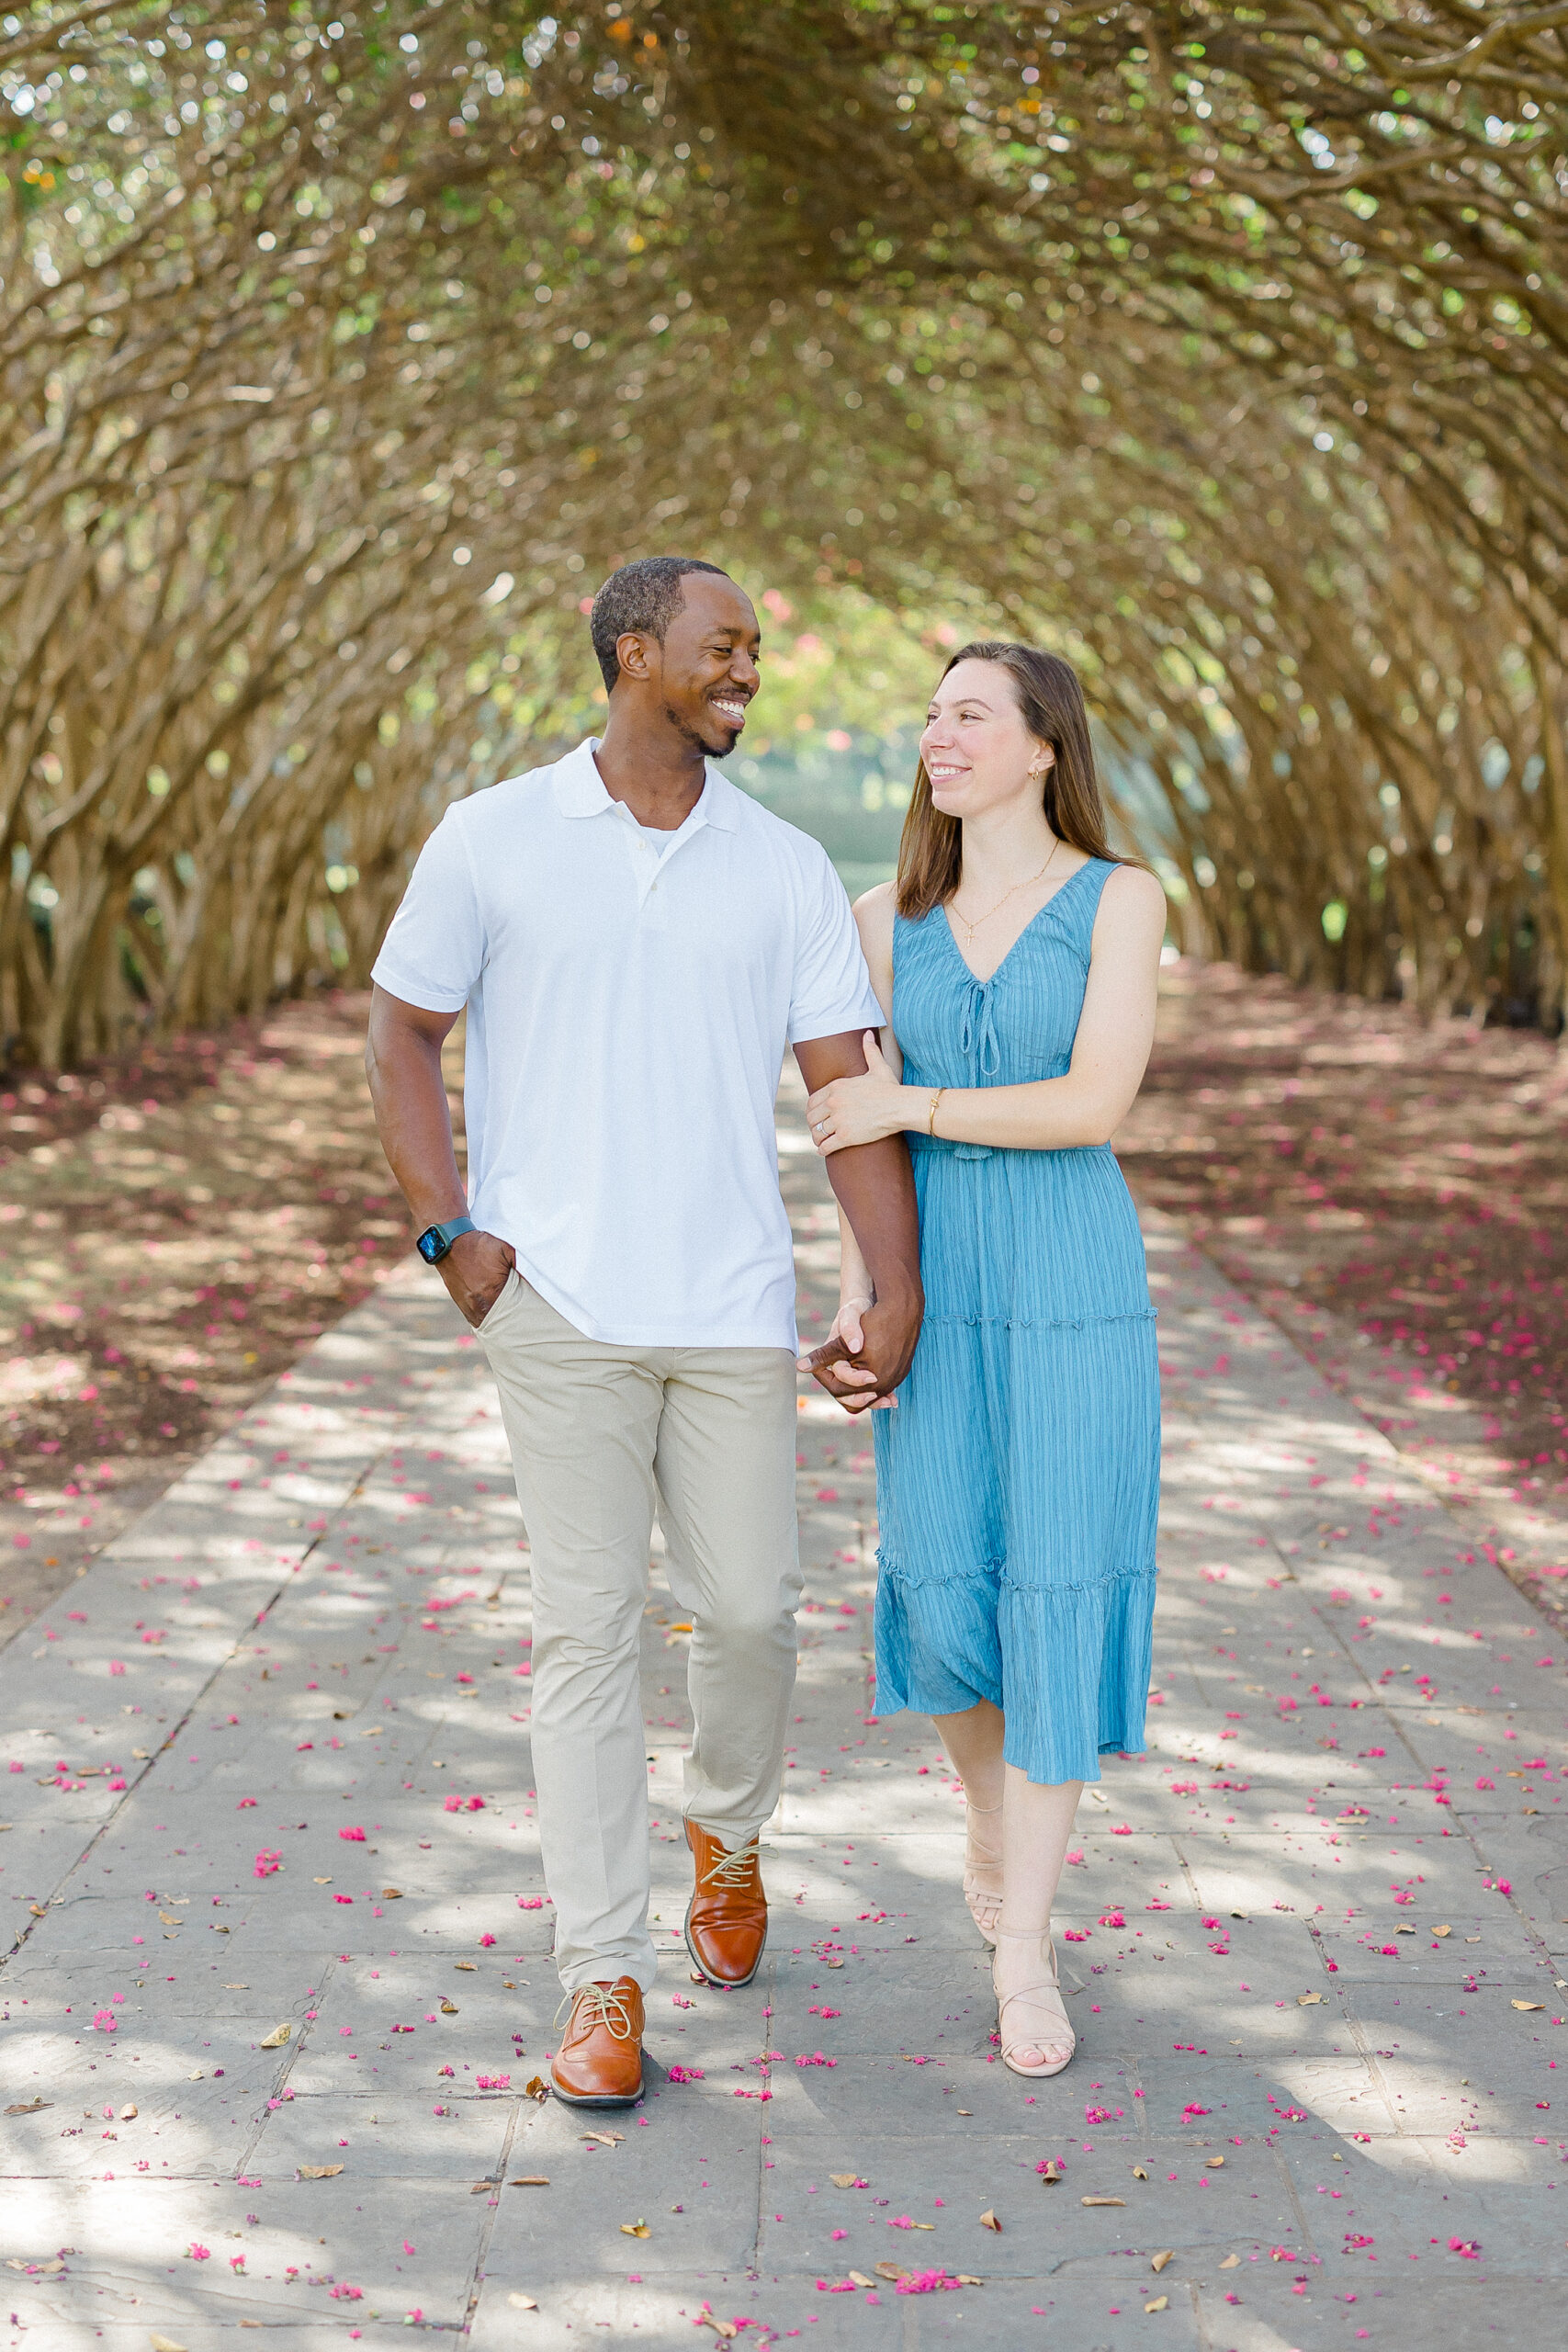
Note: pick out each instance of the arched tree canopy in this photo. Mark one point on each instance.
(341, 354)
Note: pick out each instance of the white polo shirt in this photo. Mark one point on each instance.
(630, 997)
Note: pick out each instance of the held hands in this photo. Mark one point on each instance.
(858, 1110)
(864, 1356)
(475, 1269)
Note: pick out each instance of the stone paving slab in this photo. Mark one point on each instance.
(266, 1765)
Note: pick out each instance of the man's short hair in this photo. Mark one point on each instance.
(645, 596)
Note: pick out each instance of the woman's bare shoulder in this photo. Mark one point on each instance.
(874, 911)
(1134, 897)
(873, 915)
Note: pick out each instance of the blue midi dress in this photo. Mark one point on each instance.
(1017, 1480)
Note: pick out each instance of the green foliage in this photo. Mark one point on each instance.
(344, 354)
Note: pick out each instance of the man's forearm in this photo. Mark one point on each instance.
(854, 1275)
(876, 1189)
(402, 1062)
(415, 1124)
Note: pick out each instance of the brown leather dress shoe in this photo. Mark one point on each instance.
(599, 2062)
(727, 1919)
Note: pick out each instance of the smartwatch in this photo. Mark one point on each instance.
(436, 1240)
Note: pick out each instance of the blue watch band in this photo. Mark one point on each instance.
(436, 1240)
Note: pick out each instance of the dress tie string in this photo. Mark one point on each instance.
(977, 1036)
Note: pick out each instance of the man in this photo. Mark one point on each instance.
(636, 941)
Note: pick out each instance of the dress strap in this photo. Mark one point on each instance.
(1079, 910)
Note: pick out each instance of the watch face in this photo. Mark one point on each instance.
(431, 1247)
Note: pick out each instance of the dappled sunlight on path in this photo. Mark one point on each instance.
(1394, 1193)
(280, 1978)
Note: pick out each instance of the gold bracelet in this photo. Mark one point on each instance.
(936, 1098)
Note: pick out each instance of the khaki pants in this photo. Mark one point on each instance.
(599, 1434)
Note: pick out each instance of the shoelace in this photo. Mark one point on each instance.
(601, 2005)
(733, 1871)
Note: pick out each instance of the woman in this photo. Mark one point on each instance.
(1017, 960)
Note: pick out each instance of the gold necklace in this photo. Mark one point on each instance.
(971, 928)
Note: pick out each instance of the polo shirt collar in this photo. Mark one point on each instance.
(579, 791)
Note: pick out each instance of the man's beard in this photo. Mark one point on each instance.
(689, 734)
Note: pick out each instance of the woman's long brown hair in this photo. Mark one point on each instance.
(931, 848)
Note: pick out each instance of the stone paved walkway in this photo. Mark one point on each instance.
(279, 1970)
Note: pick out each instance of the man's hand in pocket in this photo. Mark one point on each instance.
(475, 1269)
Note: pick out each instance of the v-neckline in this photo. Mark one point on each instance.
(1056, 894)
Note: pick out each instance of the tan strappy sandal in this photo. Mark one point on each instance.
(982, 1870)
(1047, 1990)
